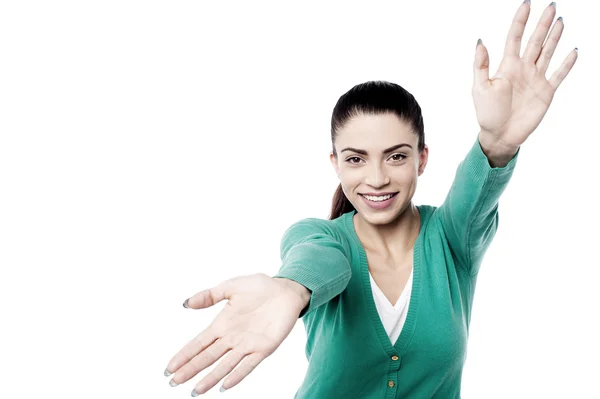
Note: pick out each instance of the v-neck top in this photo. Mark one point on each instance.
(349, 350)
(392, 316)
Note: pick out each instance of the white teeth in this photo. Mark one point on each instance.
(378, 199)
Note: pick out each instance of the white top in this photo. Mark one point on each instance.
(392, 316)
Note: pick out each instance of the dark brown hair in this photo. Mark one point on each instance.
(373, 97)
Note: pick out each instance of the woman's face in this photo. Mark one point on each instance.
(378, 154)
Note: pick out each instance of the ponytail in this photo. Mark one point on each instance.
(340, 204)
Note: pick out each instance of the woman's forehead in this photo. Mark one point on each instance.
(375, 132)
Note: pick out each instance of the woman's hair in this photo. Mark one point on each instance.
(374, 97)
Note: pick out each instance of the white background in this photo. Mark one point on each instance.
(152, 149)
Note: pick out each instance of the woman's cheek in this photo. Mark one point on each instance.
(405, 177)
(349, 175)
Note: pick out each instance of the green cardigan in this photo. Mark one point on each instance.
(349, 352)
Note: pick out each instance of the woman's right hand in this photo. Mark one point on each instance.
(259, 314)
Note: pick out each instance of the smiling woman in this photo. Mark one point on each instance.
(385, 287)
(412, 268)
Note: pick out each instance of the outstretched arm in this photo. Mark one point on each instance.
(312, 257)
(509, 108)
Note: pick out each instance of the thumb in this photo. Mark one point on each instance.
(481, 66)
(209, 297)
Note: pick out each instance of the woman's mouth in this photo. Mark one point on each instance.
(379, 202)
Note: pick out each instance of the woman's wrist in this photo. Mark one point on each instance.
(299, 289)
(498, 153)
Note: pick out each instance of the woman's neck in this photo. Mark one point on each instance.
(393, 240)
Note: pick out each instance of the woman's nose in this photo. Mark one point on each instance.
(377, 176)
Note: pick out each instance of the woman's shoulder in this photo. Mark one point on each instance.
(335, 228)
(328, 232)
(426, 212)
(430, 219)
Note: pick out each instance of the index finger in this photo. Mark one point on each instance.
(515, 33)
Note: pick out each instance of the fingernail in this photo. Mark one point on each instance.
(173, 383)
(185, 303)
(527, 2)
(576, 49)
(221, 389)
(479, 41)
(553, 4)
(194, 394)
(167, 373)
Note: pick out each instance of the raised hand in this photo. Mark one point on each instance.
(512, 104)
(260, 313)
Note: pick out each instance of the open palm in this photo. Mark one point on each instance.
(512, 104)
(260, 313)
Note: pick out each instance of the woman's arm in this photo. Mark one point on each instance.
(313, 257)
(469, 214)
(509, 107)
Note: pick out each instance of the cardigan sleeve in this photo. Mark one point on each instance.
(312, 255)
(469, 214)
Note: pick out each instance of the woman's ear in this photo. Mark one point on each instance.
(423, 157)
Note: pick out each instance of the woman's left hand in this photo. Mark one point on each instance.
(512, 104)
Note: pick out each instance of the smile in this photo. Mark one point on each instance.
(378, 198)
(379, 203)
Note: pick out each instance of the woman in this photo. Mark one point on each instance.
(384, 287)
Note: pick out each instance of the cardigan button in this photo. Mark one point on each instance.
(391, 383)
(394, 357)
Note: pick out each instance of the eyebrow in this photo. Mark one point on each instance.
(387, 150)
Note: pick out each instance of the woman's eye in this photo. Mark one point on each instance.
(402, 156)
